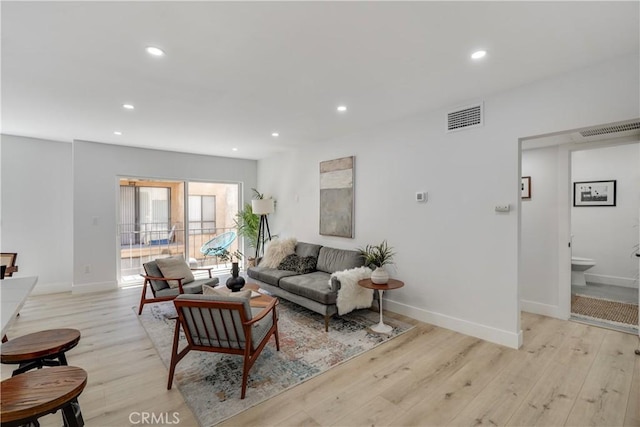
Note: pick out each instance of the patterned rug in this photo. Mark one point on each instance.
(614, 312)
(211, 382)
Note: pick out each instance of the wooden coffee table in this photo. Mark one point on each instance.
(262, 301)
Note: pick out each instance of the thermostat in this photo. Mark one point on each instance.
(421, 197)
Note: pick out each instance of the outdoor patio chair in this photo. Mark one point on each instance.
(223, 324)
(215, 246)
(162, 290)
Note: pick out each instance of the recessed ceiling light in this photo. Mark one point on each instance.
(342, 108)
(234, 149)
(128, 106)
(478, 54)
(117, 132)
(275, 134)
(155, 51)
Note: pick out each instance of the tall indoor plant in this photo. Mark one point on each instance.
(378, 256)
(247, 224)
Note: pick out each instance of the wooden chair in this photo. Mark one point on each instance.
(9, 259)
(161, 290)
(223, 324)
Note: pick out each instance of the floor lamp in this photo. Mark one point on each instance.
(262, 207)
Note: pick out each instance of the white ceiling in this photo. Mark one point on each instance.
(237, 71)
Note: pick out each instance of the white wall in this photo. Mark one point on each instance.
(96, 168)
(52, 191)
(458, 258)
(609, 234)
(37, 213)
(539, 231)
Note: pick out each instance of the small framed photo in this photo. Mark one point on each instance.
(594, 193)
(525, 188)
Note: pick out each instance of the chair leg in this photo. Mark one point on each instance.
(174, 354)
(326, 322)
(245, 374)
(142, 298)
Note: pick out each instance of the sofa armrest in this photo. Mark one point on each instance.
(335, 284)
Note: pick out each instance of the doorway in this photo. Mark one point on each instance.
(546, 226)
(163, 218)
(604, 219)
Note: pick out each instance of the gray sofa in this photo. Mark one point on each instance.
(309, 290)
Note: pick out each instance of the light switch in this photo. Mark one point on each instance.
(502, 208)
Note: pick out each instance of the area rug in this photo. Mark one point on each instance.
(211, 382)
(614, 312)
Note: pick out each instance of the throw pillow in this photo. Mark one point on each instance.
(277, 250)
(290, 262)
(175, 267)
(306, 264)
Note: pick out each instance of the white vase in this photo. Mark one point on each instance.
(380, 276)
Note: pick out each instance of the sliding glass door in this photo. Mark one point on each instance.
(166, 218)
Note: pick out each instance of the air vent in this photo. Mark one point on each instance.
(606, 130)
(465, 118)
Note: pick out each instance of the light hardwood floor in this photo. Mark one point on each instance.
(565, 374)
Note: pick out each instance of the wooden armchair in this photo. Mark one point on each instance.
(162, 291)
(223, 324)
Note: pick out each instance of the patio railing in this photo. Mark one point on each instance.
(154, 240)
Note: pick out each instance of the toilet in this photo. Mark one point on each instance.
(578, 267)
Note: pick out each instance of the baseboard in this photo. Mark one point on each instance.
(487, 333)
(51, 288)
(602, 279)
(542, 309)
(85, 288)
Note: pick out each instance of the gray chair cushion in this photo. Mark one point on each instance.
(153, 270)
(307, 249)
(194, 287)
(331, 260)
(271, 276)
(260, 328)
(314, 286)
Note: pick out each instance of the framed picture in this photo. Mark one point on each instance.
(336, 197)
(594, 193)
(525, 187)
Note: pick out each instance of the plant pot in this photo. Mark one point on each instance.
(235, 282)
(380, 276)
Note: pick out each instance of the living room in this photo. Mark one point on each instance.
(458, 257)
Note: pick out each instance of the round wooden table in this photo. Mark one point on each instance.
(391, 284)
(39, 349)
(29, 396)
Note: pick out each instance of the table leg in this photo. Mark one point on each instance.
(381, 327)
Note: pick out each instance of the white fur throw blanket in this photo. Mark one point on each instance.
(350, 295)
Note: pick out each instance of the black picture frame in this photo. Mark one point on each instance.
(525, 188)
(594, 193)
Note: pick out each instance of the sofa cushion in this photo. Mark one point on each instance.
(277, 249)
(331, 260)
(271, 276)
(175, 267)
(307, 249)
(312, 286)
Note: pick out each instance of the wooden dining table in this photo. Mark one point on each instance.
(13, 294)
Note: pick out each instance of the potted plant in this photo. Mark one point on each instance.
(378, 256)
(235, 282)
(247, 224)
